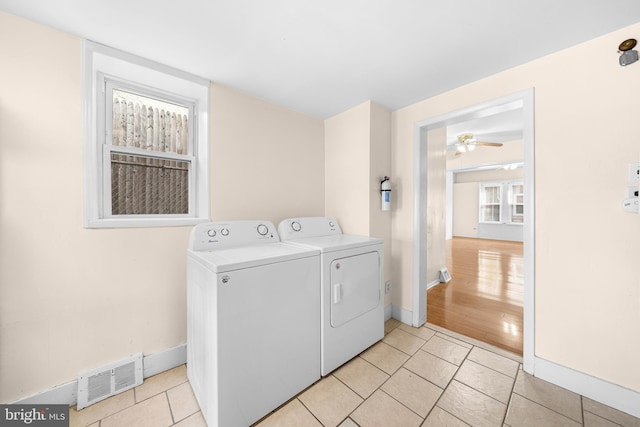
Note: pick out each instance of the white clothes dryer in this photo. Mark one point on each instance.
(352, 297)
(253, 320)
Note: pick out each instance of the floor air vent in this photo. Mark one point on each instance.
(106, 381)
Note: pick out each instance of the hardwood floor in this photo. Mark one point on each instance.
(484, 298)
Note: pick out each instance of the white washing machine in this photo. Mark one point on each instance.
(352, 297)
(253, 320)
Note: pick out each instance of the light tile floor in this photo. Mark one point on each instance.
(414, 377)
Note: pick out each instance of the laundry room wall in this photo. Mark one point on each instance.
(347, 166)
(267, 161)
(587, 293)
(357, 157)
(71, 298)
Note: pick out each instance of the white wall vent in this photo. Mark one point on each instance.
(109, 380)
(445, 277)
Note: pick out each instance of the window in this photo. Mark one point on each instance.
(501, 202)
(516, 203)
(146, 142)
(490, 202)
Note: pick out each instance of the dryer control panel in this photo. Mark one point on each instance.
(217, 235)
(295, 228)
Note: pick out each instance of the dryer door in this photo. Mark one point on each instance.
(355, 286)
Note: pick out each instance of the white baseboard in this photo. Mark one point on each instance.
(616, 396)
(432, 284)
(387, 312)
(68, 393)
(58, 395)
(401, 314)
(164, 360)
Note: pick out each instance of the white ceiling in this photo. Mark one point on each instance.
(324, 57)
(501, 127)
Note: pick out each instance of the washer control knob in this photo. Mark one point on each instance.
(211, 232)
(295, 226)
(263, 230)
(224, 231)
(331, 224)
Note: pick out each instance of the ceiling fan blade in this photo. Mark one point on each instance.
(489, 144)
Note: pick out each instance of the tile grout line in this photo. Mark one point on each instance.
(452, 335)
(391, 375)
(495, 370)
(136, 402)
(364, 399)
(444, 337)
(405, 406)
(444, 390)
(473, 388)
(513, 386)
(173, 418)
(171, 407)
(379, 388)
(604, 418)
(552, 410)
(117, 412)
(301, 402)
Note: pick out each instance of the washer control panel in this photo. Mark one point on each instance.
(296, 228)
(220, 235)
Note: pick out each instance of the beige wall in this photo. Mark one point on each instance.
(347, 167)
(267, 161)
(357, 157)
(465, 209)
(587, 295)
(436, 203)
(71, 298)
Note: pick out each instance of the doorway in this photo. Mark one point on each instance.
(483, 299)
(521, 100)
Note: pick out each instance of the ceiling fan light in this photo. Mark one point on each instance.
(471, 147)
(461, 148)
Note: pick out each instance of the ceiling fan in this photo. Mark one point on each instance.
(466, 142)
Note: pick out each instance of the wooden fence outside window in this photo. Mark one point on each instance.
(147, 185)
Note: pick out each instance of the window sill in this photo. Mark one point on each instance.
(146, 222)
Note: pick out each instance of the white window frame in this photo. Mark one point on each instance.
(102, 64)
(481, 203)
(512, 201)
(506, 201)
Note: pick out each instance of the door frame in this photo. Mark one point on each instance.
(525, 100)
